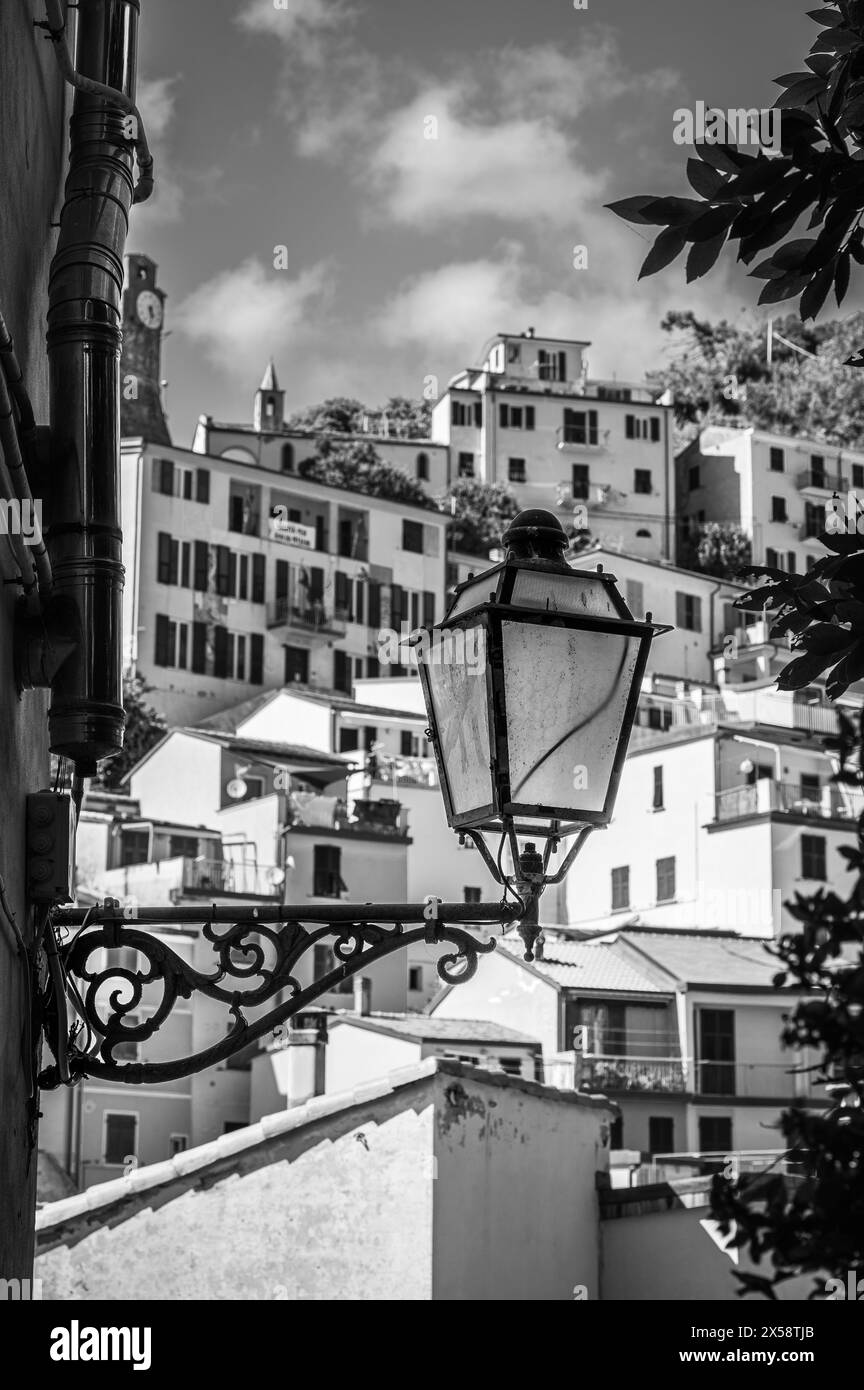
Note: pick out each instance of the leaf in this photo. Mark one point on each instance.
(825, 16)
(672, 212)
(793, 253)
(828, 638)
(819, 63)
(722, 157)
(631, 209)
(703, 255)
(817, 292)
(804, 669)
(801, 93)
(706, 180)
(791, 79)
(765, 270)
(786, 287)
(711, 224)
(841, 277)
(856, 360)
(669, 244)
(761, 175)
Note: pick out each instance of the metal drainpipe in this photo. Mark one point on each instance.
(84, 540)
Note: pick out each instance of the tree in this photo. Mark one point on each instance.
(411, 419)
(355, 464)
(719, 374)
(481, 512)
(815, 1223)
(144, 729)
(338, 415)
(717, 548)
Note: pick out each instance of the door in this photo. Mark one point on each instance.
(716, 1052)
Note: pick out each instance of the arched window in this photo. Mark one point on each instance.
(643, 535)
(423, 468)
(287, 458)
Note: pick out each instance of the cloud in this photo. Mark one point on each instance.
(291, 20)
(251, 313)
(157, 100)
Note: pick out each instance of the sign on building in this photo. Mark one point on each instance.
(292, 533)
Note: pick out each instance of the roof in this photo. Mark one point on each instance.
(309, 760)
(706, 960)
(595, 966)
(269, 381)
(429, 1028)
(230, 719)
(591, 553)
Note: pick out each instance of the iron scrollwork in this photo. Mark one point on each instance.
(112, 1003)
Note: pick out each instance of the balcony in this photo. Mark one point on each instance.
(766, 796)
(310, 618)
(815, 480)
(240, 879)
(161, 882)
(380, 816)
(749, 1080)
(606, 1074)
(591, 495)
(573, 439)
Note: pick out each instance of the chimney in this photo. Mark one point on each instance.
(362, 995)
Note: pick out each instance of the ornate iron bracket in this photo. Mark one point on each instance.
(257, 951)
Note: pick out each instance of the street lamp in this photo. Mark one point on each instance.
(531, 684)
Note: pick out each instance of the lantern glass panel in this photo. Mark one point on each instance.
(455, 668)
(566, 693)
(564, 593)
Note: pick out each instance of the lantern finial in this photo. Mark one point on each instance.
(535, 535)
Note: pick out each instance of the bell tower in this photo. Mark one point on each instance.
(269, 411)
(141, 411)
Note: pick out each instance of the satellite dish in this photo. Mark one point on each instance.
(289, 862)
(237, 789)
(276, 876)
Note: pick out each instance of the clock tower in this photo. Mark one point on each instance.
(141, 364)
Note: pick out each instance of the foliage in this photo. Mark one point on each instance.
(408, 419)
(719, 374)
(718, 548)
(812, 1222)
(481, 513)
(355, 464)
(144, 729)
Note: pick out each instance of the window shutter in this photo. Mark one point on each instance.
(162, 656)
(428, 608)
(529, 417)
(163, 570)
(199, 648)
(629, 427)
(562, 366)
(282, 579)
(680, 610)
(220, 652)
(202, 566)
(504, 416)
(374, 604)
(397, 604)
(259, 578)
(655, 430)
(202, 485)
(256, 659)
(478, 414)
(166, 477)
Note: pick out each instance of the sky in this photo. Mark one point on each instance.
(428, 167)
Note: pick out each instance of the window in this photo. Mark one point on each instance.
(407, 744)
(621, 888)
(415, 977)
(177, 1144)
(858, 475)
(287, 458)
(163, 477)
(120, 1141)
(202, 485)
(167, 561)
(516, 470)
(772, 559)
(616, 1133)
(715, 1134)
(814, 519)
(580, 427)
(472, 895)
(778, 509)
(813, 858)
(661, 1134)
(296, 665)
(256, 659)
(817, 468)
(166, 641)
(580, 482)
(642, 427)
(349, 740)
(693, 478)
(412, 536)
(460, 413)
(642, 480)
(777, 464)
(235, 514)
(689, 612)
(666, 880)
(551, 366)
(716, 1041)
(512, 1066)
(791, 561)
(811, 786)
(422, 468)
(259, 578)
(134, 847)
(342, 673)
(657, 801)
(466, 465)
(635, 596)
(516, 417)
(643, 535)
(182, 846)
(327, 872)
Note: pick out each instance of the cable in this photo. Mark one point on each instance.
(10, 919)
(56, 27)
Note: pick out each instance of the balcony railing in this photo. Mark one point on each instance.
(678, 1075)
(311, 617)
(578, 437)
(383, 815)
(765, 796)
(225, 876)
(591, 494)
(751, 1079)
(822, 482)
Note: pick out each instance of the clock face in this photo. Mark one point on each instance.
(148, 307)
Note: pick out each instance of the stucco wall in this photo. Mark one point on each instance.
(32, 163)
(503, 992)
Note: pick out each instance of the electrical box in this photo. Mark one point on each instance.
(50, 847)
